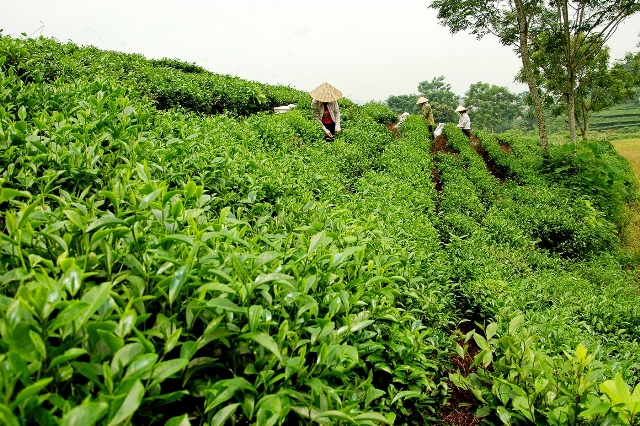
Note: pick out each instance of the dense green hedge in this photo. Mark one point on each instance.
(169, 83)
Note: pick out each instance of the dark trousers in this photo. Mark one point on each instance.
(332, 128)
(431, 131)
(467, 132)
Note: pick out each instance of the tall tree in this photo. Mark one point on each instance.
(442, 99)
(403, 103)
(443, 113)
(438, 91)
(581, 27)
(525, 17)
(494, 107)
(597, 85)
(510, 21)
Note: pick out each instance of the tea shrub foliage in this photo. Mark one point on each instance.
(171, 252)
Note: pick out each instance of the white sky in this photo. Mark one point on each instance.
(368, 49)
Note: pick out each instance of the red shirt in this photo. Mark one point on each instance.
(326, 116)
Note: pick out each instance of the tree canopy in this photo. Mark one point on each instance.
(437, 90)
(494, 107)
(577, 30)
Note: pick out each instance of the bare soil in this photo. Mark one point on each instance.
(490, 163)
(458, 411)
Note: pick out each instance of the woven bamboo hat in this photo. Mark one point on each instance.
(421, 100)
(461, 108)
(325, 93)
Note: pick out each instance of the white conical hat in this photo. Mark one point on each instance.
(422, 100)
(325, 93)
(461, 108)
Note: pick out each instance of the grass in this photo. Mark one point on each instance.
(630, 149)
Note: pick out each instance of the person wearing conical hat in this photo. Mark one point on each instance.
(325, 109)
(427, 113)
(465, 122)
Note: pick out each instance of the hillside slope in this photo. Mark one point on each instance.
(624, 116)
(173, 253)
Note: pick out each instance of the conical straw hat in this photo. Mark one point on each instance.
(325, 93)
(461, 108)
(422, 100)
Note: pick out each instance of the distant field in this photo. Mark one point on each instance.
(630, 149)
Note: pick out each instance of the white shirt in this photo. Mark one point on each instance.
(334, 110)
(465, 121)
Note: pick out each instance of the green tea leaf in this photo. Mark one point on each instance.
(177, 281)
(125, 356)
(72, 279)
(86, 414)
(315, 241)
(405, 394)
(334, 414)
(515, 323)
(166, 369)
(264, 340)
(95, 298)
(141, 365)
(597, 410)
(75, 218)
(129, 405)
(31, 390)
(104, 221)
(7, 194)
(68, 355)
(491, 330)
(221, 416)
(7, 417)
(68, 314)
(226, 304)
(178, 421)
(371, 416)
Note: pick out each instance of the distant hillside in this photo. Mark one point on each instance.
(618, 117)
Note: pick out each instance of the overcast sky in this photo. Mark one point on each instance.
(366, 48)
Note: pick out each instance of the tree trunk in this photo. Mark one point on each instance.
(583, 119)
(570, 45)
(528, 72)
(571, 111)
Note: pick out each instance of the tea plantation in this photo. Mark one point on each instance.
(172, 253)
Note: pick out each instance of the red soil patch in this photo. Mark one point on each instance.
(392, 128)
(505, 147)
(458, 410)
(488, 161)
(440, 144)
(435, 178)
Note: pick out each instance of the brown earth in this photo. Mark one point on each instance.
(490, 163)
(439, 144)
(458, 411)
(505, 147)
(392, 128)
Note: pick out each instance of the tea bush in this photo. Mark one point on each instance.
(594, 169)
(182, 263)
(380, 113)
